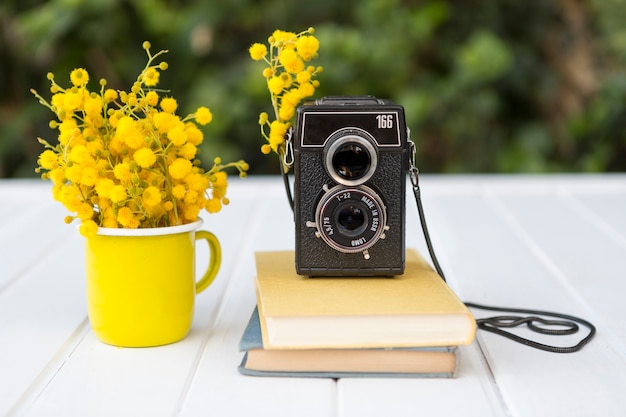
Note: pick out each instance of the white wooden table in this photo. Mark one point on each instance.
(541, 242)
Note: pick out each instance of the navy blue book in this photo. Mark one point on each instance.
(419, 362)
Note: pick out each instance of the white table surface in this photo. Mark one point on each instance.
(540, 242)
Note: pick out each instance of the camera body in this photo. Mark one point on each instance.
(350, 164)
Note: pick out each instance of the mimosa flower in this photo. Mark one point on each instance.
(204, 116)
(144, 157)
(288, 81)
(125, 158)
(258, 51)
(79, 77)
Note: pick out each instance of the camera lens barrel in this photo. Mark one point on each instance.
(350, 219)
(351, 158)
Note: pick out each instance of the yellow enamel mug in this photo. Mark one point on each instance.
(141, 283)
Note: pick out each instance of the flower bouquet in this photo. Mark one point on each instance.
(125, 159)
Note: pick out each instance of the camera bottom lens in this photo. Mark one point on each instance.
(350, 219)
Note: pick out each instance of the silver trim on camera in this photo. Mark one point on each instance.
(375, 219)
(346, 136)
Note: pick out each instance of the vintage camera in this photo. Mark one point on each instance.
(350, 164)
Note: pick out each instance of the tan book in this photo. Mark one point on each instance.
(410, 310)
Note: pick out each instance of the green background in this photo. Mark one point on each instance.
(488, 86)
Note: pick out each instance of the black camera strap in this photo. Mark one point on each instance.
(563, 325)
(558, 325)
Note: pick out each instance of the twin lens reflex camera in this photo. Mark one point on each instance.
(350, 164)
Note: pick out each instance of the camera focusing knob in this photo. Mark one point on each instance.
(314, 226)
(383, 235)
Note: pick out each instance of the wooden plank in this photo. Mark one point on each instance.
(42, 318)
(505, 240)
(492, 256)
(217, 385)
(30, 232)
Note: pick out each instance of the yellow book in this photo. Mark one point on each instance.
(410, 310)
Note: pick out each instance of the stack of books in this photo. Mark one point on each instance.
(406, 326)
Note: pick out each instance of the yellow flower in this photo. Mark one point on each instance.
(169, 105)
(126, 218)
(291, 61)
(122, 172)
(303, 77)
(291, 97)
(144, 157)
(191, 197)
(129, 132)
(164, 122)
(214, 205)
(180, 168)
(89, 176)
(110, 95)
(306, 90)
(286, 112)
(69, 196)
(275, 85)
(151, 196)
(194, 135)
(48, 160)
(110, 221)
(150, 77)
(278, 128)
(118, 194)
(196, 182)
(179, 191)
(80, 154)
(177, 135)
(190, 212)
(307, 47)
(88, 228)
(219, 180)
(204, 116)
(79, 77)
(93, 107)
(85, 211)
(73, 173)
(57, 176)
(283, 38)
(152, 98)
(104, 187)
(187, 151)
(258, 51)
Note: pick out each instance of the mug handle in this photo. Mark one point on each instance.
(215, 260)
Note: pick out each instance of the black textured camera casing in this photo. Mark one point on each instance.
(318, 125)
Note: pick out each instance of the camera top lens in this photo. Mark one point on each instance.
(351, 158)
(351, 161)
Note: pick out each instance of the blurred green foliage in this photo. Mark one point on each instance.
(488, 85)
